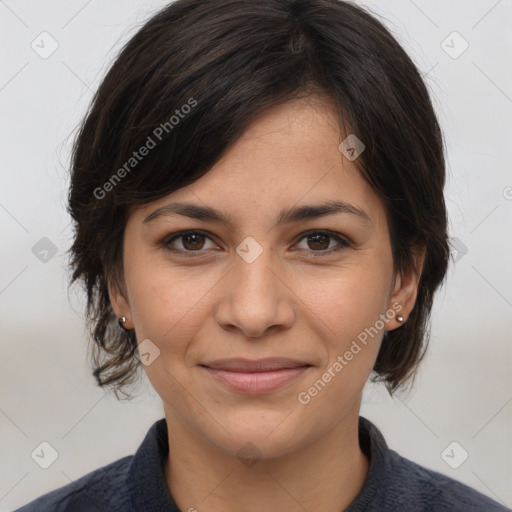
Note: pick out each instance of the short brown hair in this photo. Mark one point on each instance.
(230, 60)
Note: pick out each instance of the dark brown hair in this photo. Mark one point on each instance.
(188, 85)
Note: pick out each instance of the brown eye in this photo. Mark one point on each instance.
(320, 242)
(191, 241)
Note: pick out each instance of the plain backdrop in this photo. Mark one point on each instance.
(461, 405)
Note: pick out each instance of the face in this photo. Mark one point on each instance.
(262, 326)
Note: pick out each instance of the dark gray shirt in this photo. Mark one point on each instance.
(136, 483)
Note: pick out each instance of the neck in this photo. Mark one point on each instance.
(325, 474)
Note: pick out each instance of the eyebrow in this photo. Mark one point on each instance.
(286, 216)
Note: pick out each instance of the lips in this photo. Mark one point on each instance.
(255, 377)
(257, 366)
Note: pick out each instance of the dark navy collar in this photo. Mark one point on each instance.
(148, 485)
(374, 446)
(146, 476)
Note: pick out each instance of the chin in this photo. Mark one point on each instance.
(269, 435)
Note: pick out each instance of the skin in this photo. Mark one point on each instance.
(285, 303)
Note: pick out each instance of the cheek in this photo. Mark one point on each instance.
(350, 311)
(167, 303)
(167, 308)
(349, 299)
(351, 306)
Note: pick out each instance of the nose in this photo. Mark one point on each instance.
(256, 297)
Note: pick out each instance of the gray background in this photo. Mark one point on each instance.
(463, 392)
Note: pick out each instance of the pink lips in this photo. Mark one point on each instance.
(255, 377)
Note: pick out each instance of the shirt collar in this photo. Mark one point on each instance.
(374, 446)
(146, 476)
(148, 485)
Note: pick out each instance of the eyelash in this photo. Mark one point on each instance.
(166, 242)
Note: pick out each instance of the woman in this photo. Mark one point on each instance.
(260, 225)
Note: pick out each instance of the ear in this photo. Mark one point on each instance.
(406, 288)
(120, 303)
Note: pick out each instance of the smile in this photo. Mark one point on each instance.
(255, 377)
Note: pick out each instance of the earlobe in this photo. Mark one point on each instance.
(406, 289)
(120, 306)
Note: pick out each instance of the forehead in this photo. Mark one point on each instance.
(288, 156)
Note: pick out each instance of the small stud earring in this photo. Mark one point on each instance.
(121, 322)
(400, 318)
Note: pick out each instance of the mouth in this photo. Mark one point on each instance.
(255, 377)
